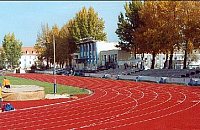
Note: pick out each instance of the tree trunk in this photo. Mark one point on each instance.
(70, 61)
(153, 60)
(171, 59)
(62, 64)
(166, 61)
(47, 67)
(135, 52)
(185, 56)
(142, 63)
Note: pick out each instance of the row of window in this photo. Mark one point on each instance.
(87, 47)
(29, 63)
(29, 53)
(109, 58)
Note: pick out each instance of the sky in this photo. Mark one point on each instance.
(25, 18)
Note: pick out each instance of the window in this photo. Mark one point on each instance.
(26, 52)
(32, 52)
(30, 62)
(105, 57)
(93, 46)
(89, 47)
(115, 57)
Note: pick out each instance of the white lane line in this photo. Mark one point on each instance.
(57, 117)
(128, 118)
(158, 117)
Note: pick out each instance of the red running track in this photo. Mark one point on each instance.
(115, 104)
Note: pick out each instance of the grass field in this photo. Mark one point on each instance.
(48, 87)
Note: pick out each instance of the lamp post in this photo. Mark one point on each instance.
(54, 65)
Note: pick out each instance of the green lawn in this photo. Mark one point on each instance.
(48, 87)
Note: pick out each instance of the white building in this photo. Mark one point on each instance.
(178, 58)
(28, 58)
(115, 56)
(89, 53)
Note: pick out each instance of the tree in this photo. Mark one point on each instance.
(167, 27)
(43, 46)
(12, 49)
(67, 43)
(190, 27)
(127, 25)
(86, 24)
(2, 58)
(148, 37)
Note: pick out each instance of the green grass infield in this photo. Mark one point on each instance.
(48, 87)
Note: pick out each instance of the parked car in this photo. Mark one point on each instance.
(62, 72)
(79, 73)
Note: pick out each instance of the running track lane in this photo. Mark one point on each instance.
(114, 104)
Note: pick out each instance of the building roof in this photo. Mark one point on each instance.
(28, 50)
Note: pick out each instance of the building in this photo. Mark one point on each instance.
(28, 58)
(115, 57)
(178, 58)
(88, 56)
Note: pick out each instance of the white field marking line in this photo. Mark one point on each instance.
(67, 101)
(79, 118)
(28, 114)
(133, 107)
(19, 112)
(54, 109)
(140, 92)
(131, 117)
(128, 118)
(79, 113)
(59, 117)
(151, 99)
(158, 117)
(62, 121)
(115, 115)
(97, 118)
(93, 124)
(136, 110)
(55, 103)
(157, 104)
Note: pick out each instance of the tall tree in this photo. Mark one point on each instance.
(127, 25)
(12, 49)
(148, 36)
(190, 20)
(43, 44)
(2, 58)
(86, 24)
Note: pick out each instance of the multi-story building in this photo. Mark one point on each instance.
(114, 57)
(193, 60)
(28, 58)
(94, 53)
(89, 52)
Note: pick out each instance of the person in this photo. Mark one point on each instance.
(1, 99)
(6, 83)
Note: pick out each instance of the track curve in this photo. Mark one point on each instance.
(114, 104)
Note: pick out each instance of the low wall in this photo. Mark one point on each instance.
(185, 81)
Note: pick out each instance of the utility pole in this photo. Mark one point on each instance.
(54, 65)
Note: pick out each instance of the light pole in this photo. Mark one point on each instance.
(54, 65)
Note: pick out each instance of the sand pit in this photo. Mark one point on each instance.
(23, 93)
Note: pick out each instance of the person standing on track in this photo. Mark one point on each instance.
(6, 83)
